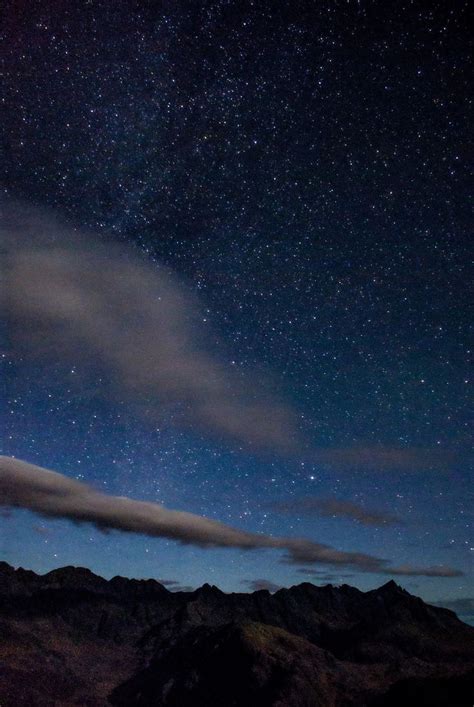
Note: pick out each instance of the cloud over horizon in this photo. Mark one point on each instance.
(323, 575)
(462, 606)
(257, 585)
(310, 505)
(48, 493)
(174, 586)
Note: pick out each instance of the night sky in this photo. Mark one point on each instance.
(302, 171)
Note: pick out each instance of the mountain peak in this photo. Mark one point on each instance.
(391, 587)
(208, 590)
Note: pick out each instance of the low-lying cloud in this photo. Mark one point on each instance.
(256, 585)
(323, 576)
(385, 458)
(334, 507)
(308, 553)
(463, 607)
(174, 586)
(48, 493)
(434, 571)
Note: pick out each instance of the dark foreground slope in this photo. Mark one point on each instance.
(72, 638)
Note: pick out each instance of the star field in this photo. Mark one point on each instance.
(303, 168)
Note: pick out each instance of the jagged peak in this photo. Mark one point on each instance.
(82, 576)
(208, 589)
(391, 584)
(391, 587)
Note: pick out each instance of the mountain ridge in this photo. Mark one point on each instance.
(61, 575)
(71, 637)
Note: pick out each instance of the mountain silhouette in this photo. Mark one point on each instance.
(70, 637)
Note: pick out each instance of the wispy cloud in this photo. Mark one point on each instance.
(74, 296)
(307, 553)
(256, 585)
(434, 571)
(52, 494)
(169, 583)
(323, 576)
(67, 293)
(385, 458)
(310, 505)
(174, 586)
(463, 607)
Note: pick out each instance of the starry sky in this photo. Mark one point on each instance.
(302, 171)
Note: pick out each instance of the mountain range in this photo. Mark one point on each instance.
(70, 637)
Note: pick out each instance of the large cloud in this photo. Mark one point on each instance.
(73, 296)
(51, 494)
(48, 493)
(68, 294)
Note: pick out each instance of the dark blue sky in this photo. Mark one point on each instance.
(302, 168)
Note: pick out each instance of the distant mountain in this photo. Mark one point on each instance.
(72, 638)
